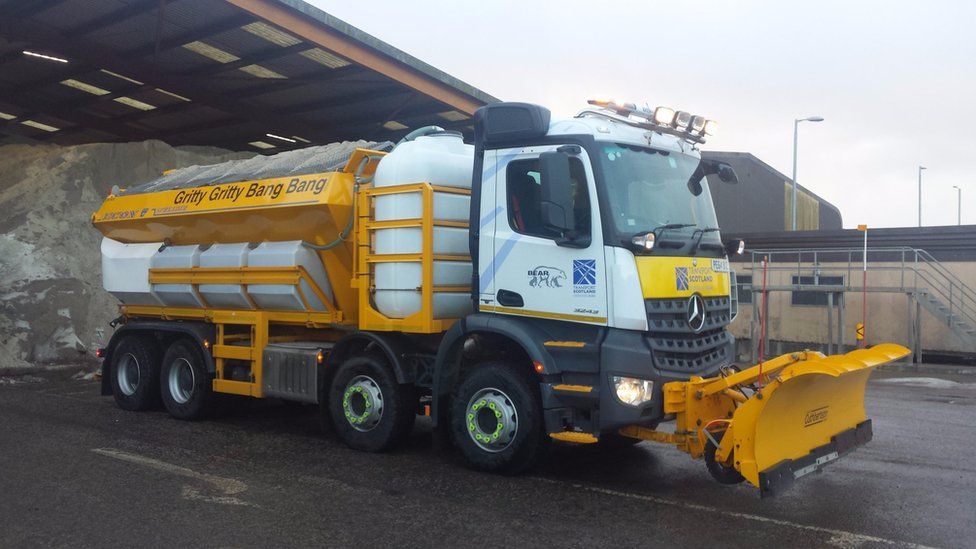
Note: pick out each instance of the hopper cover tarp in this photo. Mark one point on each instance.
(318, 159)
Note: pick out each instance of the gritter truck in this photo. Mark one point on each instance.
(551, 281)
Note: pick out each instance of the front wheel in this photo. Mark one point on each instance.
(496, 419)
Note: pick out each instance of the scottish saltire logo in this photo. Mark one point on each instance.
(584, 277)
(681, 277)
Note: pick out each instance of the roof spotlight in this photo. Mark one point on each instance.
(663, 116)
(711, 127)
(697, 123)
(682, 119)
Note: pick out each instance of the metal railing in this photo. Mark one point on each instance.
(919, 273)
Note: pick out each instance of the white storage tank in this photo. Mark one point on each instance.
(225, 296)
(177, 295)
(125, 271)
(281, 297)
(440, 159)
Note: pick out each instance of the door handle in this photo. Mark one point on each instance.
(509, 298)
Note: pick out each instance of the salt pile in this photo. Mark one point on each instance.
(52, 306)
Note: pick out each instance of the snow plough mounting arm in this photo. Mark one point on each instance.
(776, 421)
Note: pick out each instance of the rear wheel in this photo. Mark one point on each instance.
(135, 373)
(187, 388)
(496, 419)
(369, 409)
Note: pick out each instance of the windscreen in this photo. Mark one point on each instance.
(648, 188)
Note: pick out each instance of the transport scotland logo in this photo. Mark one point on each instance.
(584, 271)
(584, 277)
(681, 277)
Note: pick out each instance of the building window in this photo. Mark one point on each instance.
(524, 190)
(814, 298)
(744, 282)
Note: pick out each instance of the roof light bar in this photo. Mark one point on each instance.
(662, 119)
(42, 56)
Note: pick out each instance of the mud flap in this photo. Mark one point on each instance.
(808, 416)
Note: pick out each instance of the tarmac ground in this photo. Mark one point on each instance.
(77, 471)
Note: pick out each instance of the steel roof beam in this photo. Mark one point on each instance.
(292, 83)
(343, 102)
(34, 105)
(15, 8)
(206, 31)
(95, 54)
(260, 57)
(141, 51)
(396, 66)
(117, 16)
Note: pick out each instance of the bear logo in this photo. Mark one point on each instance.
(549, 277)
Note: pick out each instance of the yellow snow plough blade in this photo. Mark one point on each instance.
(807, 411)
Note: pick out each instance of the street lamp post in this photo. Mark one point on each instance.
(796, 125)
(958, 204)
(920, 168)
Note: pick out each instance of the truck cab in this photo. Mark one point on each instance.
(595, 246)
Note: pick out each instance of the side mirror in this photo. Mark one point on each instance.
(557, 194)
(724, 172)
(736, 246)
(727, 175)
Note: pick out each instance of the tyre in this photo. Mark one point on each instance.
(135, 373)
(496, 419)
(721, 472)
(370, 411)
(186, 385)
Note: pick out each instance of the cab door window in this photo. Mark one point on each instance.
(524, 198)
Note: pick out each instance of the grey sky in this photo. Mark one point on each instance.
(896, 80)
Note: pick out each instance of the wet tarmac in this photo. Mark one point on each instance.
(77, 471)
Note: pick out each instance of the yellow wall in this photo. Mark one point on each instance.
(807, 210)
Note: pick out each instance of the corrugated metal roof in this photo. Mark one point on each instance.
(251, 67)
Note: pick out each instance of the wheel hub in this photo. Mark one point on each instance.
(181, 380)
(128, 375)
(362, 403)
(492, 420)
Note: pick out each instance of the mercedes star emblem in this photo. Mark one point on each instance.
(696, 313)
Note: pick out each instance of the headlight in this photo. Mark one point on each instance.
(633, 391)
(644, 241)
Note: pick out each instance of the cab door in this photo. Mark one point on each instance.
(532, 274)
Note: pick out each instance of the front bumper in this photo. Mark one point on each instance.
(569, 406)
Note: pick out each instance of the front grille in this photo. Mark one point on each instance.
(679, 349)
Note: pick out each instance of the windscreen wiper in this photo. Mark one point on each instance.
(660, 229)
(701, 233)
